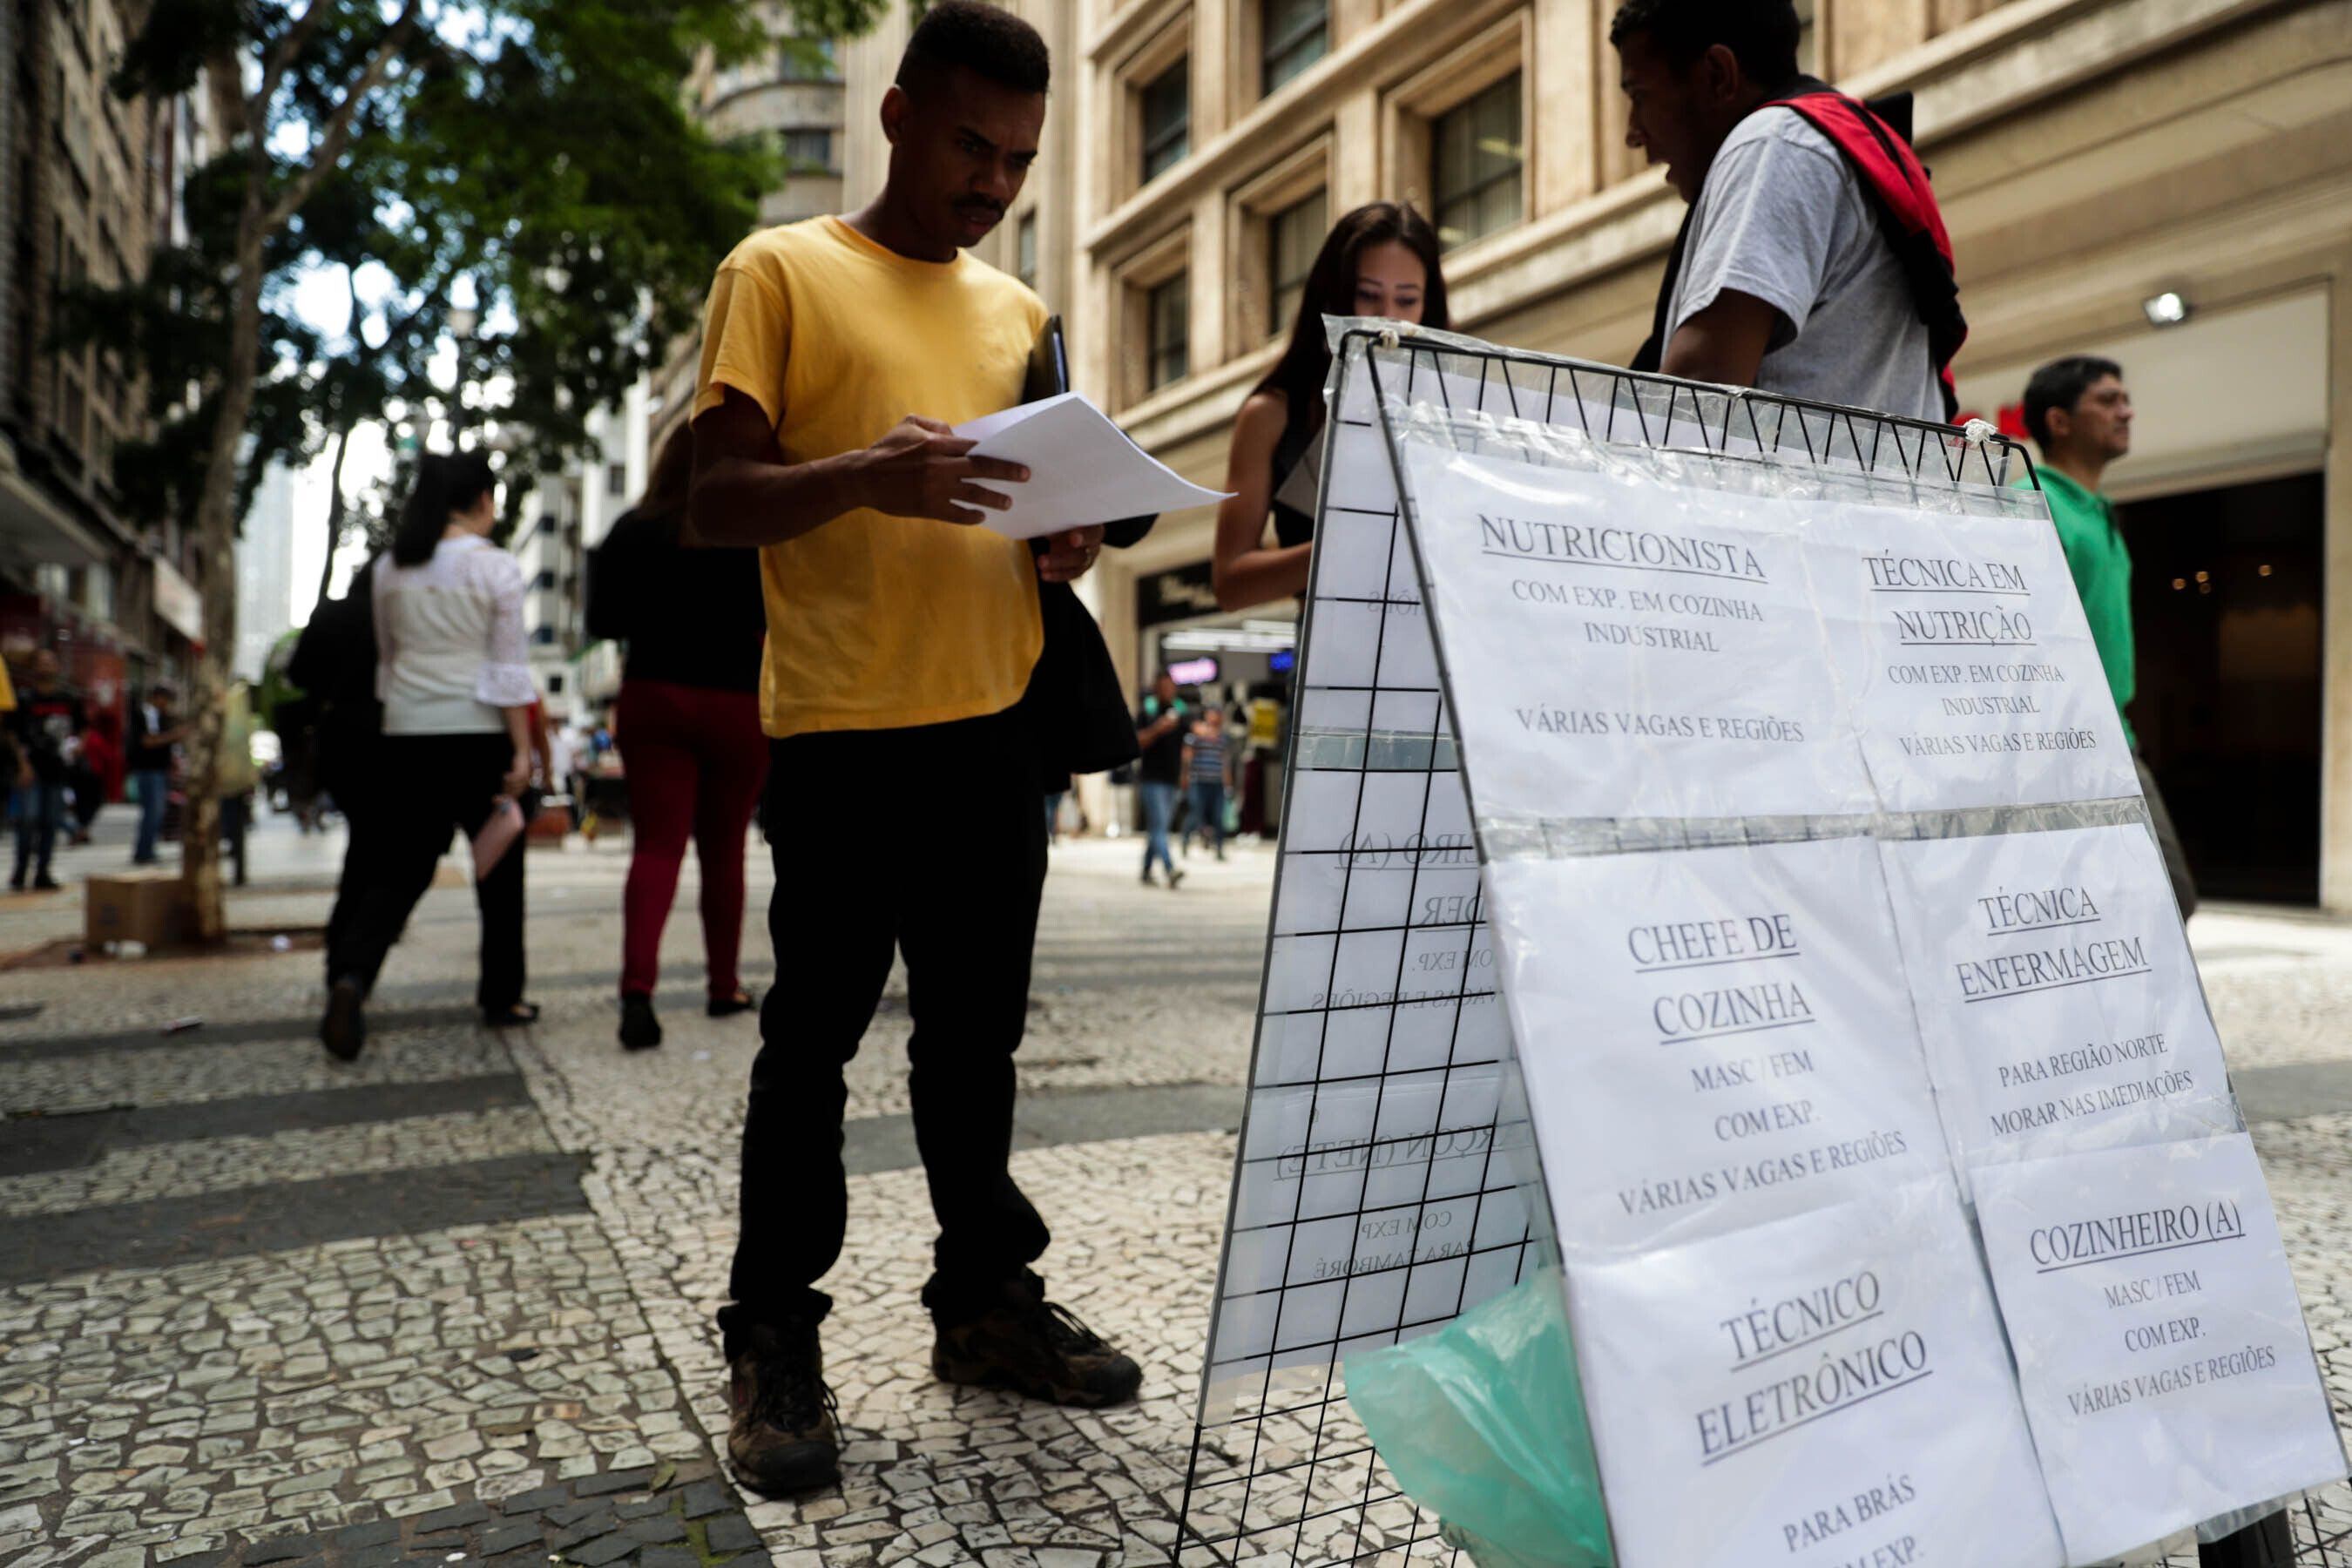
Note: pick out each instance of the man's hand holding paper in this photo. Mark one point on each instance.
(923, 469)
(1084, 471)
(1069, 553)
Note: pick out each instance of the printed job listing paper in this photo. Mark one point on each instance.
(1711, 1038)
(1633, 648)
(2055, 991)
(1971, 671)
(2165, 1370)
(1825, 1391)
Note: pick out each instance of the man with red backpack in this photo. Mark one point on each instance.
(1813, 260)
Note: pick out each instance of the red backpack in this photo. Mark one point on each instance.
(1895, 182)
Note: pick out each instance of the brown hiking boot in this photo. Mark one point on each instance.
(782, 1433)
(1036, 1347)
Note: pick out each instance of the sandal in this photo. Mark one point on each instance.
(522, 1014)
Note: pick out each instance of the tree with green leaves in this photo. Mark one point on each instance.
(537, 151)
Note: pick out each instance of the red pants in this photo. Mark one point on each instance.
(694, 762)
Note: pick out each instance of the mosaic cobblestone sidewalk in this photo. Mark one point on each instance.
(453, 1304)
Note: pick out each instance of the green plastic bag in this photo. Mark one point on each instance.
(1482, 1425)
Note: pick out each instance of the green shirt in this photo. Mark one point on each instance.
(2101, 563)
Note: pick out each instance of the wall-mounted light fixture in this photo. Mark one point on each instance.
(2165, 309)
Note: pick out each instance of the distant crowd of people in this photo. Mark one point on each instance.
(1185, 776)
(65, 758)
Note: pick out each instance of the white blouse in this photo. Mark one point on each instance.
(449, 641)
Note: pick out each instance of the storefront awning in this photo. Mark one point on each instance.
(36, 531)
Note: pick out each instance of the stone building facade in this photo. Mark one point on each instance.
(89, 187)
(2093, 157)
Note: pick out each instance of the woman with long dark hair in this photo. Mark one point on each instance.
(455, 679)
(690, 729)
(1380, 259)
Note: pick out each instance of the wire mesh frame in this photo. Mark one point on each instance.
(2314, 1528)
(1719, 415)
(1722, 422)
(1418, 1537)
(2322, 1531)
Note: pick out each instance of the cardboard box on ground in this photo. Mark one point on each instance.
(147, 906)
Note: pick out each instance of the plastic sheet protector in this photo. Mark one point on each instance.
(1820, 978)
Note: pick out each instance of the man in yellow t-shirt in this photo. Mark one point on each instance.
(837, 354)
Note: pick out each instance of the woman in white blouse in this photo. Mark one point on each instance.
(455, 679)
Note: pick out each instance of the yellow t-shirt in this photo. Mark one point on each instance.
(876, 622)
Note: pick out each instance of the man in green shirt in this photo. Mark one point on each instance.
(2080, 415)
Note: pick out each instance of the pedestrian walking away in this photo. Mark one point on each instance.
(1377, 260)
(1813, 260)
(93, 772)
(154, 739)
(2079, 413)
(690, 729)
(838, 354)
(1204, 775)
(334, 663)
(455, 680)
(235, 776)
(43, 726)
(1160, 772)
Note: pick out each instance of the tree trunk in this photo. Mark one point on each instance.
(262, 213)
(200, 870)
(334, 514)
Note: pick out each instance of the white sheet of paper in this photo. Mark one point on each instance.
(1083, 470)
(1826, 1391)
(2165, 1370)
(2055, 991)
(1711, 1038)
(1973, 676)
(1633, 648)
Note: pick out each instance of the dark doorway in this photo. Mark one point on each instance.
(2226, 606)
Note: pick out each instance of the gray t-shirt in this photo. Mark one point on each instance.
(1783, 218)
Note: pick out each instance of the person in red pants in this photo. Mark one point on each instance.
(688, 730)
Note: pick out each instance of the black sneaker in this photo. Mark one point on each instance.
(45, 883)
(1036, 1347)
(728, 1007)
(344, 1031)
(1174, 876)
(781, 1431)
(1148, 879)
(640, 1030)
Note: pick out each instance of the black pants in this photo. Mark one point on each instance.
(433, 784)
(947, 870)
(350, 768)
(2167, 841)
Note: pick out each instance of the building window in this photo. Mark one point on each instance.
(1294, 35)
(1025, 250)
(542, 636)
(1167, 315)
(1167, 119)
(617, 479)
(1476, 159)
(806, 59)
(808, 153)
(546, 578)
(1294, 236)
(72, 411)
